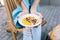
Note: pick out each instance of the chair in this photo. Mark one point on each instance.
(10, 6)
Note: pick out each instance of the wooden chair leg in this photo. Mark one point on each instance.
(8, 29)
(20, 30)
(14, 36)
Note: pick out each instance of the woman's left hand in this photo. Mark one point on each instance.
(37, 13)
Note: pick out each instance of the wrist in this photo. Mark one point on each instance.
(33, 10)
(25, 10)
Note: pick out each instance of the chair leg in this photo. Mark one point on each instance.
(8, 29)
(20, 30)
(14, 36)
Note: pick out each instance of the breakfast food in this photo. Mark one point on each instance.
(29, 21)
(25, 22)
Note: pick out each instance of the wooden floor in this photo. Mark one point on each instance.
(50, 13)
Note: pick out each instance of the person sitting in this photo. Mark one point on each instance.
(24, 6)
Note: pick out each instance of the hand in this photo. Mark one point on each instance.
(22, 14)
(32, 10)
(37, 13)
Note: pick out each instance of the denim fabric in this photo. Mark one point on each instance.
(34, 35)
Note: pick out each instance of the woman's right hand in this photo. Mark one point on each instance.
(22, 14)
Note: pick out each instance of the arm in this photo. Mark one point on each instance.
(23, 7)
(35, 4)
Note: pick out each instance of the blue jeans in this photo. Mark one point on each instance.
(34, 35)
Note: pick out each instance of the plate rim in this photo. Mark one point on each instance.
(19, 20)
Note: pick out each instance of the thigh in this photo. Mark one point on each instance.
(36, 32)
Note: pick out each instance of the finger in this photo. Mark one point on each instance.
(22, 14)
(39, 14)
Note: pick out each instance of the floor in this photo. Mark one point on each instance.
(51, 15)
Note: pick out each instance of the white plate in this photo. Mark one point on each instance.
(27, 15)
